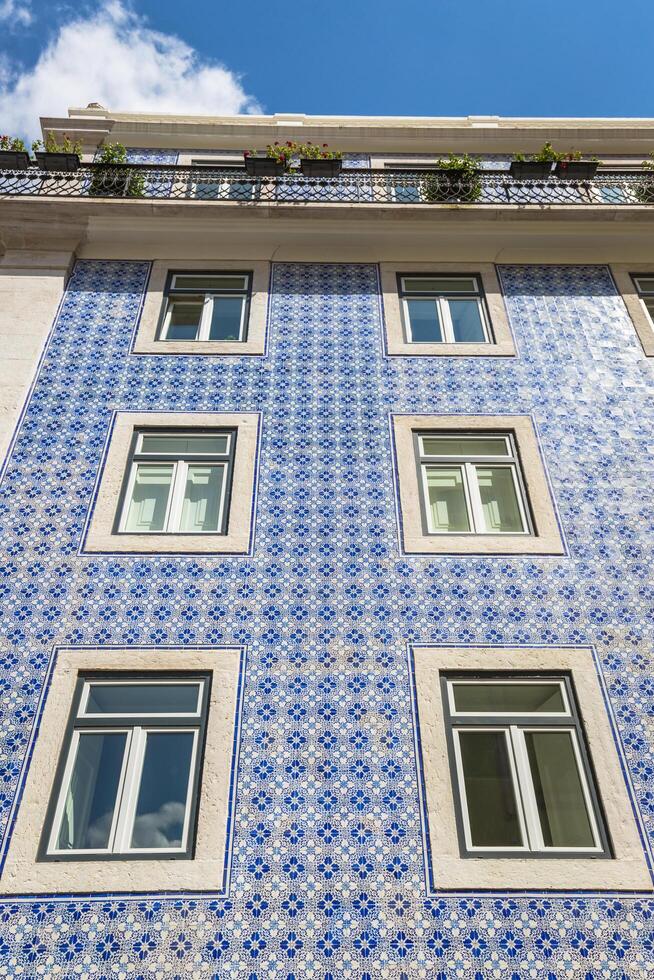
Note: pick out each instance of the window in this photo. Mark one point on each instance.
(645, 287)
(206, 307)
(444, 309)
(522, 779)
(128, 781)
(178, 482)
(471, 483)
(219, 183)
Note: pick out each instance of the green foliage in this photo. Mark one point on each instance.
(112, 182)
(460, 182)
(112, 153)
(12, 143)
(50, 145)
(547, 154)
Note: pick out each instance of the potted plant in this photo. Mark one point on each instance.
(54, 156)
(572, 166)
(455, 178)
(645, 188)
(319, 161)
(113, 177)
(273, 164)
(13, 155)
(537, 165)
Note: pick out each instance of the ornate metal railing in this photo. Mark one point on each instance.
(380, 187)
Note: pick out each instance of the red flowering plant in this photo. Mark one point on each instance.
(312, 151)
(13, 144)
(285, 153)
(280, 152)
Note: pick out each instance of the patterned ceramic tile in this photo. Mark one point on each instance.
(327, 877)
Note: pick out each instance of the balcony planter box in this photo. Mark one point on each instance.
(14, 160)
(263, 166)
(312, 167)
(57, 161)
(530, 168)
(576, 169)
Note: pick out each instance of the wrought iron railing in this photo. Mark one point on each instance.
(380, 187)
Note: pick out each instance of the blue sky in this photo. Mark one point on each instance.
(418, 57)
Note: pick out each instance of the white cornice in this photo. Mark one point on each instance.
(492, 134)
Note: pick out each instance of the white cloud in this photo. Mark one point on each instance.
(15, 12)
(114, 58)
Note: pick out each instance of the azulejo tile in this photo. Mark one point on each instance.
(327, 873)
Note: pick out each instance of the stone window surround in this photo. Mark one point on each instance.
(622, 276)
(145, 339)
(207, 870)
(394, 328)
(414, 539)
(447, 869)
(100, 535)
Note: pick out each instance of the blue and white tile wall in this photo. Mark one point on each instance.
(327, 876)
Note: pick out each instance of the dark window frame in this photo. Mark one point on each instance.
(431, 294)
(572, 721)
(122, 722)
(134, 457)
(177, 293)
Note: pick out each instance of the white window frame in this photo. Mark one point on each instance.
(86, 690)
(207, 298)
(178, 482)
(442, 303)
(499, 681)
(523, 786)
(471, 490)
(127, 791)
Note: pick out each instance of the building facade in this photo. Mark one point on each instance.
(326, 554)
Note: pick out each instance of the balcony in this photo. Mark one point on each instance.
(398, 188)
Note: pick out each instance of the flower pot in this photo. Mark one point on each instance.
(14, 160)
(576, 169)
(320, 167)
(263, 166)
(57, 161)
(530, 168)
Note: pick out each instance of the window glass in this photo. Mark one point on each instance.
(649, 306)
(558, 789)
(142, 699)
(184, 319)
(163, 793)
(466, 321)
(149, 501)
(128, 785)
(446, 499)
(202, 496)
(499, 500)
(463, 446)
(509, 698)
(489, 790)
(645, 285)
(425, 321)
(437, 285)
(184, 444)
(226, 318)
(91, 796)
(210, 282)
